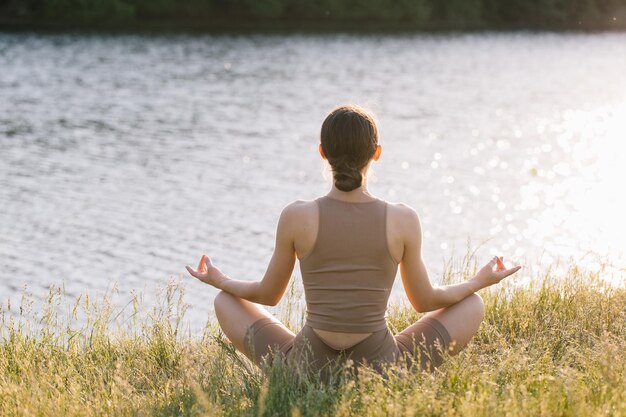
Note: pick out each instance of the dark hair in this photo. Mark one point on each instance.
(349, 138)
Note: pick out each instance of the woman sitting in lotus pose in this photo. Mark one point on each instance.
(349, 244)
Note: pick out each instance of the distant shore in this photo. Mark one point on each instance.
(322, 16)
(279, 27)
(270, 28)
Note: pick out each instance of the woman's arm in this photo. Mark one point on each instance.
(422, 295)
(271, 288)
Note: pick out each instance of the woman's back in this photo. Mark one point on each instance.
(349, 272)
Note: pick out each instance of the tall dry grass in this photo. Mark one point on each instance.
(553, 348)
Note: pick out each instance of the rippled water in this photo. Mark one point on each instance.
(123, 158)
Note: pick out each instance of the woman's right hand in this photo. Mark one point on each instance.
(208, 273)
(494, 272)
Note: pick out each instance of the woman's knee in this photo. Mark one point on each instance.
(477, 305)
(230, 308)
(473, 310)
(222, 299)
(462, 320)
(462, 317)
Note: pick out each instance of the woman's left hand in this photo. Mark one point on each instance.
(208, 273)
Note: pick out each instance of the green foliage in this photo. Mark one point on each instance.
(88, 10)
(416, 14)
(459, 13)
(272, 9)
(549, 13)
(168, 9)
(553, 348)
(416, 11)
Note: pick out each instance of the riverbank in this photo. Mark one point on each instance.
(323, 16)
(553, 348)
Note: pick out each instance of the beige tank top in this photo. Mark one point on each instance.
(349, 273)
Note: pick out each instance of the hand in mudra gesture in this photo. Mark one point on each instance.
(488, 275)
(207, 272)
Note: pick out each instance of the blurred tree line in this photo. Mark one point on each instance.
(417, 14)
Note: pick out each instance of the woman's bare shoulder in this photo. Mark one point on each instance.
(402, 227)
(300, 208)
(401, 210)
(402, 216)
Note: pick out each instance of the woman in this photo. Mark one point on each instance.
(349, 245)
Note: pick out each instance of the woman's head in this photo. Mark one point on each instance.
(349, 141)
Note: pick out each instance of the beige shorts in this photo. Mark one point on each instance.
(421, 343)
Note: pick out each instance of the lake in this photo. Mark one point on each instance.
(125, 157)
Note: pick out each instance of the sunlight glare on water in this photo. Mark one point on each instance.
(600, 197)
(582, 203)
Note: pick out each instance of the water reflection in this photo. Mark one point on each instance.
(125, 157)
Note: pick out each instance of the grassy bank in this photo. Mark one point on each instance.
(315, 15)
(553, 349)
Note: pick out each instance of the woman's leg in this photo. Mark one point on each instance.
(461, 320)
(449, 328)
(235, 316)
